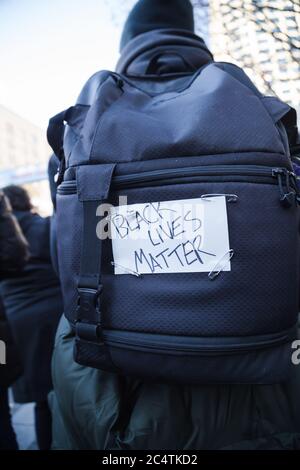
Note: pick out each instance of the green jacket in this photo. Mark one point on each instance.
(93, 409)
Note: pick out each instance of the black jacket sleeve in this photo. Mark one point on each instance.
(13, 245)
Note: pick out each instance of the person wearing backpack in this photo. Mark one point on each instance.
(13, 256)
(189, 347)
(33, 304)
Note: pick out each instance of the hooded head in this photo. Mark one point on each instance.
(147, 15)
(18, 197)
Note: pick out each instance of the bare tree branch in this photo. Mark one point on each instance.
(261, 14)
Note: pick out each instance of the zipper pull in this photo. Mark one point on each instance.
(288, 197)
(296, 182)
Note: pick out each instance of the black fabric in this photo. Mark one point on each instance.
(33, 306)
(182, 64)
(53, 244)
(88, 324)
(88, 314)
(249, 284)
(55, 133)
(158, 305)
(206, 129)
(8, 439)
(91, 249)
(94, 409)
(148, 15)
(290, 123)
(135, 57)
(43, 425)
(53, 166)
(13, 246)
(224, 118)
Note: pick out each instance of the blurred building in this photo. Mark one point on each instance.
(24, 155)
(245, 33)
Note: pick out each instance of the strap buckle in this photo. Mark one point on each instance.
(87, 325)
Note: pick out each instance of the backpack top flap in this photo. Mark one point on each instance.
(214, 114)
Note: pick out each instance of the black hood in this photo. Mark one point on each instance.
(136, 55)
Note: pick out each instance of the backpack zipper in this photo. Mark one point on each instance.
(285, 178)
(194, 345)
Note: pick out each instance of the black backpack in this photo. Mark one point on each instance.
(194, 278)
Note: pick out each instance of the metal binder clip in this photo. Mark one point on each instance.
(220, 265)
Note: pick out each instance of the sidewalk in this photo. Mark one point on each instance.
(23, 422)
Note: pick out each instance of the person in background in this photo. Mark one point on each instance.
(33, 303)
(53, 165)
(13, 245)
(13, 255)
(9, 372)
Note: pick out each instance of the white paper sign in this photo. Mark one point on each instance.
(190, 235)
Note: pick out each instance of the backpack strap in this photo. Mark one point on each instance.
(56, 131)
(88, 317)
(93, 185)
(290, 123)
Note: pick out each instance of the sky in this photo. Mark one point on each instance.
(49, 48)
